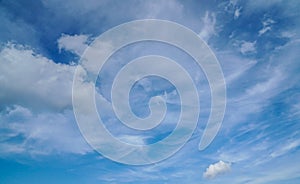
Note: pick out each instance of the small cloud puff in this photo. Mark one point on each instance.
(75, 44)
(216, 169)
(248, 47)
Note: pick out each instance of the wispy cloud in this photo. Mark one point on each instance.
(257, 48)
(266, 26)
(285, 148)
(208, 29)
(45, 133)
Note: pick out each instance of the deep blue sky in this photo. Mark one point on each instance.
(256, 42)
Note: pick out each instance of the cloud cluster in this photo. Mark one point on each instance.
(29, 79)
(216, 169)
(35, 92)
(36, 108)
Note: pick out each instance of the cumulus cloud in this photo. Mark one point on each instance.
(216, 169)
(74, 43)
(29, 79)
(36, 106)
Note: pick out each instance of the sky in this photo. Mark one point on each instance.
(256, 43)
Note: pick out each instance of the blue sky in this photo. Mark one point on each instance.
(256, 42)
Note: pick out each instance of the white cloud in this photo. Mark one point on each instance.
(266, 88)
(255, 97)
(283, 169)
(132, 139)
(216, 169)
(262, 150)
(44, 133)
(235, 66)
(237, 13)
(288, 34)
(36, 103)
(283, 149)
(247, 47)
(266, 26)
(76, 43)
(268, 81)
(29, 79)
(17, 29)
(208, 29)
(264, 30)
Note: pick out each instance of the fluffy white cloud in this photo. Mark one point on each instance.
(36, 103)
(31, 80)
(216, 169)
(76, 43)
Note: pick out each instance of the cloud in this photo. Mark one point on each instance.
(280, 170)
(237, 13)
(261, 143)
(266, 26)
(16, 29)
(76, 43)
(285, 148)
(208, 29)
(44, 133)
(248, 47)
(36, 108)
(216, 169)
(265, 84)
(31, 80)
(132, 139)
